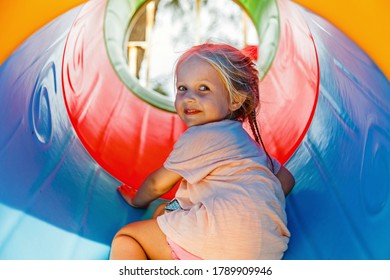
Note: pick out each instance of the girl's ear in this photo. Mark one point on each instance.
(236, 104)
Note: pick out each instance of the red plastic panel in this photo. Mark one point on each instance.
(130, 138)
(289, 91)
(126, 136)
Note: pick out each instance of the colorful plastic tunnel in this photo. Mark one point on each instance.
(74, 124)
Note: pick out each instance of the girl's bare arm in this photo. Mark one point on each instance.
(156, 184)
(286, 179)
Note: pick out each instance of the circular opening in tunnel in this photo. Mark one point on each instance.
(161, 30)
(153, 34)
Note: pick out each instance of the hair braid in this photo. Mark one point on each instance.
(256, 134)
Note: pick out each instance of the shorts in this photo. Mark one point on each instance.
(178, 253)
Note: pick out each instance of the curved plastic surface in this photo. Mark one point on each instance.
(58, 195)
(130, 138)
(340, 207)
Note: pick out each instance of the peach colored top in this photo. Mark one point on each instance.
(233, 205)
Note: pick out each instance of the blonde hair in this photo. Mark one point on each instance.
(239, 75)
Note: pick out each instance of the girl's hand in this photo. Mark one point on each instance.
(128, 193)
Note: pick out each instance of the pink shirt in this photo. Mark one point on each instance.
(233, 205)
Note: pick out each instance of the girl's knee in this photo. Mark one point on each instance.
(128, 230)
(139, 240)
(126, 247)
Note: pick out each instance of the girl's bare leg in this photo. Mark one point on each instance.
(140, 241)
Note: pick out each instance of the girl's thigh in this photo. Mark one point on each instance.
(149, 235)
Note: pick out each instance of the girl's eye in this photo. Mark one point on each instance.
(203, 88)
(181, 88)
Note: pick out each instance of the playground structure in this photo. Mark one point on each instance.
(75, 124)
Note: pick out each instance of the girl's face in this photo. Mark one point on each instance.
(201, 97)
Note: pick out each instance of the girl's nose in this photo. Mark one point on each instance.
(190, 96)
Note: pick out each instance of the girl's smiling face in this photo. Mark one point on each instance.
(201, 96)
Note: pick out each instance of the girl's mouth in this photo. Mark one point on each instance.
(191, 111)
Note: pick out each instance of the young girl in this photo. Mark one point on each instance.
(230, 203)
